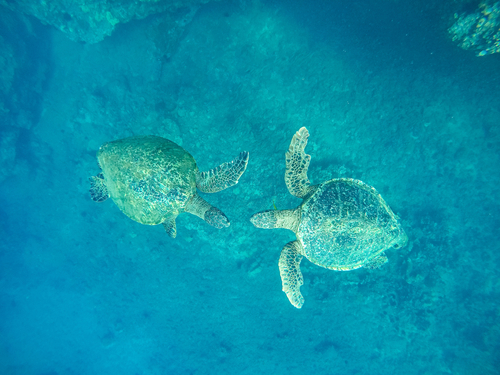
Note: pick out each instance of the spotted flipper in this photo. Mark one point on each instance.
(222, 177)
(376, 262)
(297, 163)
(170, 228)
(291, 277)
(98, 189)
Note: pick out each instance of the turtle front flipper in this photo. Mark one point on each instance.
(380, 260)
(297, 163)
(222, 177)
(212, 215)
(291, 277)
(98, 190)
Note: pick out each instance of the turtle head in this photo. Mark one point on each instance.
(216, 218)
(401, 240)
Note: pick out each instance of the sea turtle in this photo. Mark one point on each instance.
(152, 180)
(341, 224)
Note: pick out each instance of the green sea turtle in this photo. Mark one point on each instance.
(341, 224)
(152, 180)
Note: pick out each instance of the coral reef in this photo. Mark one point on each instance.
(91, 21)
(479, 31)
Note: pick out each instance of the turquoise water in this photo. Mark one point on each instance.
(387, 98)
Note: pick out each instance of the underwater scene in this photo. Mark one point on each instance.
(247, 187)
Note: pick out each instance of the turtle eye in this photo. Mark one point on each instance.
(396, 246)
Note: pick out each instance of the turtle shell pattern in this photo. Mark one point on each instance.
(345, 224)
(149, 178)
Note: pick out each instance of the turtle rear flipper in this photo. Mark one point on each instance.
(291, 277)
(222, 177)
(297, 163)
(169, 225)
(212, 215)
(98, 189)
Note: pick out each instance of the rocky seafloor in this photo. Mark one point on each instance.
(387, 97)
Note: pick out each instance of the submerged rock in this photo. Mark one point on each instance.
(480, 30)
(91, 21)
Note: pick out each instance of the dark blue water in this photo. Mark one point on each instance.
(388, 99)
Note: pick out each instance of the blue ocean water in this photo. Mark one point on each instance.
(387, 98)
